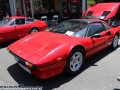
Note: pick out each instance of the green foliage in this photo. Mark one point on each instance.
(90, 1)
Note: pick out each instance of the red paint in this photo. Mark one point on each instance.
(17, 31)
(100, 7)
(42, 49)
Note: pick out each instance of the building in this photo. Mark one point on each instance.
(38, 8)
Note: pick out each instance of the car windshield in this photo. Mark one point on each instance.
(5, 21)
(71, 28)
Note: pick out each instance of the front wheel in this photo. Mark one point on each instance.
(115, 42)
(74, 61)
(33, 30)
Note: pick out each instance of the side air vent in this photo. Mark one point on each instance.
(89, 13)
(105, 13)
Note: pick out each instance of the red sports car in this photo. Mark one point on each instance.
(15, 27)
(110, 12)
(63, 48)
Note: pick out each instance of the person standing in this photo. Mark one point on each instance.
(17, 12)
(65, 14)
(7, 15)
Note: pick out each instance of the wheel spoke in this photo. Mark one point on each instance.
(74, 57)
(72, 61)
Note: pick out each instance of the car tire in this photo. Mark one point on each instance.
(33, 30)
(74, 61)
(114, 44)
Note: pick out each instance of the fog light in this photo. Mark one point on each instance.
(28, 64)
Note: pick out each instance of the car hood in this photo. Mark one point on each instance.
(103, 9)
(43, 42)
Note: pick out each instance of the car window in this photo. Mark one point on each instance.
(62, 28)
(95, 28)
(106, 26)
(29, 20)
(75, 28)
(5, 21)
(79, 28)
(20, 21)
(12, 23)
(65, 26)
(78, 25)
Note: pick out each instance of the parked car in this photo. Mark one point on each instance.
(110, 12)
(63, 48)
(15, 27)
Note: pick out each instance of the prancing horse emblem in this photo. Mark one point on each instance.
(18, 51)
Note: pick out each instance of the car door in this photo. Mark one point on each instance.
(20, 27)
(11, 31)
(98, 36)
(108, 31)
(8, 31)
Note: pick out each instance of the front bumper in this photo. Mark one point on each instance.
(43, 72)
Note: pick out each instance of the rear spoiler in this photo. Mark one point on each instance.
(92, 17)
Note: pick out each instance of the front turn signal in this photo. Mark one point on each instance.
(28, 64)
(59, 59)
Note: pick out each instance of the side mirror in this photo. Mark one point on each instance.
(95, 36)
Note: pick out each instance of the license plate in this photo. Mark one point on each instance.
(25, 68)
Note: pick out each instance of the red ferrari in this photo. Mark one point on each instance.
(64, 47)
(110, 12)
(15, 27)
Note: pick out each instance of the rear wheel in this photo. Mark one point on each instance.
(115, 42)
(33, 30)
(74, 61)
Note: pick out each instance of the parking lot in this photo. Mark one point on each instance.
(100, 72)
